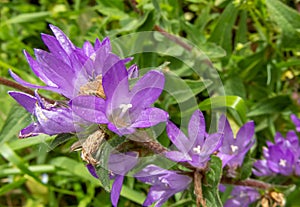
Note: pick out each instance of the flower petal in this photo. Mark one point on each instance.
(116, 77)
(30, 131)
(146, 91)
(178, 138)
(90, 108)
(25, 100)
(133, 71)
(63, 40)
(178, 156)
(150, 117)
(196, 128)
(37, 70)
(30, 85)
(116, 190)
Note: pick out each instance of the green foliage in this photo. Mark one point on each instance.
(211, 183)
(254, 45)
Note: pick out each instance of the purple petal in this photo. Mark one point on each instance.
(25, 100)
(63, 40)
(92, 170)
(37, 70)
(178, 156)
(245, 134)
(30, 85)
(225, 128)
(261, 168)
(30, 131)
(115, 78)
(196, 128)
(296, 121)
(88, 48)
(116, 190)
(146, 91)
(90, 108)
(133, 71)
(120, 163)
(177, 137)
(150, 117)
(55, 48)
(212, 143)
(55, 120)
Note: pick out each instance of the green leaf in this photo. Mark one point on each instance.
(7, 152)
(182, 90)
(28, 17)
(17, 119)
(288, 20)
(102, 169)
(246, 168)
(59, 139)
(11, 186)
(270, 106)
(222, 33)
(234, 102)
(211, 183)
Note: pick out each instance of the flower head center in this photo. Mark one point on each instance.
(282, 162)
(93, 87)
(197, 149)
(234, 148)
(124, 108)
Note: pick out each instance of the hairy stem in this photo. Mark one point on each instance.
(198, 189)
(248, 182)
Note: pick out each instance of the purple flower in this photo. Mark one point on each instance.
(261, 168)
(49, 118)
(281, 157)
(119, 165)
(123, 109)
(67, 69)
(242, 197)
(164, 183)
(198, 146)
(296, 121)
(234, 149)
(280, 160)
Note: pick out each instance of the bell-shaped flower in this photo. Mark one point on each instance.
(197, 148)
(48, 118)
(281, 157)
(67, 69)
(119, 164)
(234, 149)
(124, 109)
(242, 196)
(165, 183)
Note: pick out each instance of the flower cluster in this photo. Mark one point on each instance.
(95, 83)
(281, 157)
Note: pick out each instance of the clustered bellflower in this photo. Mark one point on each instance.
(119, 164)
(234, 149)
(197, 148)
(281, 157)
(123, 109)
(93, 76)
(165, 183)
(241, 196)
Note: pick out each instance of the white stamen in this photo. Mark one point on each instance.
(125, 107)
(39, 113)
(93, 57)
(282, 162)
(234, 148)
(197, 149)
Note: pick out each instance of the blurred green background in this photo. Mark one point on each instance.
(253, 44)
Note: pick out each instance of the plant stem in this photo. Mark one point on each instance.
(9, 83)
(198, 189)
